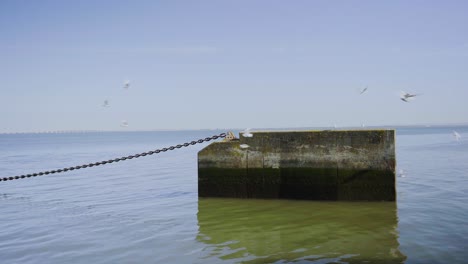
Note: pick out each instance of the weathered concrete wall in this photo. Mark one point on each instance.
(313, 165)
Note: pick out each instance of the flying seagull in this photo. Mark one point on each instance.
(105, 104)
(126, 84)
(456, 135)
(401, 173)
(406, 97)
(246, 133)
(124, 123)
(363, 90)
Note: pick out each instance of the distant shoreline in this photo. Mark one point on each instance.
(240, 129)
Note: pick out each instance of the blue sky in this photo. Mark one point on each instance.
(231, 64)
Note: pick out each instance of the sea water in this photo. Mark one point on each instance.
(147, 210)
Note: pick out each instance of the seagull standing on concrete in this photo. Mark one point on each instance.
(456, 135)
(246, 133)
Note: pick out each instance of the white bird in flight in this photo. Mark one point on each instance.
(363, 90)
(244, 146)
(246, 133)
(105, 104)
(456, 135)
(124, 123)
(126, 84)
(406, 97)
(401, 173)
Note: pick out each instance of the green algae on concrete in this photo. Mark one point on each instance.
(312, 165)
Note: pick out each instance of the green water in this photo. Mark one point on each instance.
(277, 231)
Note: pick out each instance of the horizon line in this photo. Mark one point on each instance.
(70, 131)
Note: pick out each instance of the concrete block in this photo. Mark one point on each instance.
(311, 165)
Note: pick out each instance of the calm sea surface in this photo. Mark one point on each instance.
(147, 210)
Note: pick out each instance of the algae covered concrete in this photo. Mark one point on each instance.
(311, 165)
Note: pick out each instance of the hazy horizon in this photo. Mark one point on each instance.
(216, 64)
(239, 129)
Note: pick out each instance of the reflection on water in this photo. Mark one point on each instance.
(281, 231)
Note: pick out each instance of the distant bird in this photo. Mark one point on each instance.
(124, 123)
(456, 135)
(401, 173)
(406, 97)
(363, 90)
(126, 84)
(105, 104)
(246, 133)
(244, 146)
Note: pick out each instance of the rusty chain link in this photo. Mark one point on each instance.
(222, 135)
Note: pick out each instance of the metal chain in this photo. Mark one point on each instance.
(222, 135)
